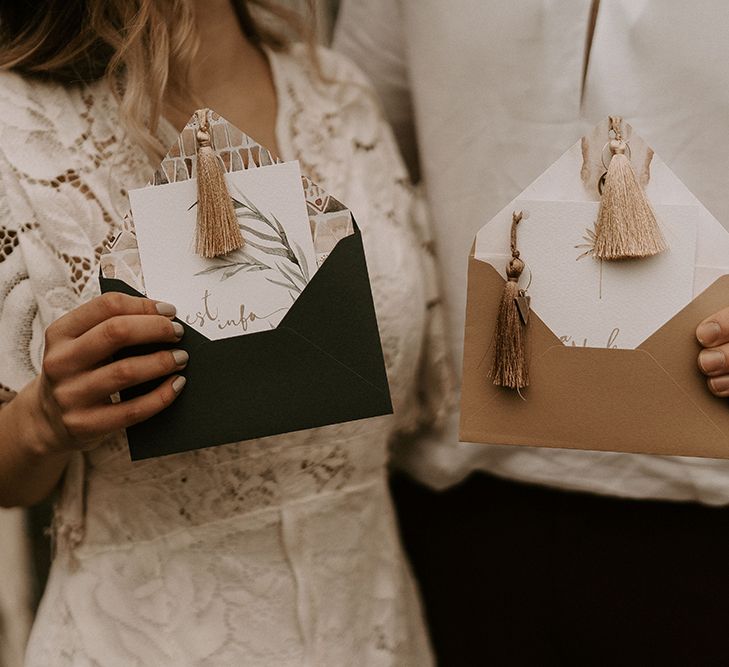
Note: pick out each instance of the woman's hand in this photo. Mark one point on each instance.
(713, 334)
(77, 378)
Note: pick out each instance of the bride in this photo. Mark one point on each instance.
(280, 551)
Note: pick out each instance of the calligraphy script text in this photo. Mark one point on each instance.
(611, 342)
(209, 313)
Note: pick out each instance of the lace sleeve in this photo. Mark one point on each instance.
(55, 214)
(21, 332)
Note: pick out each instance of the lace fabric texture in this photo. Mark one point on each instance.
(279, 551)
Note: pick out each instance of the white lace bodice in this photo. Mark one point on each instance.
(276, 551)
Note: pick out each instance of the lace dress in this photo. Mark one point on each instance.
(279, 551)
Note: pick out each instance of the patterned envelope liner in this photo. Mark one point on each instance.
(330, 220)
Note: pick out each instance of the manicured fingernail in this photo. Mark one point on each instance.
(178, 383)
(711, 360)
(178, 329)
(708, 332)
(166, 309)
(180, 356)
(720, 384)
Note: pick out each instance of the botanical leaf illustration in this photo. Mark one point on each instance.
(233, 263)
(289, 285)
(229, 273)
(259, 234)
(296, 269)
(282, 252)
(291, 272)
(304, 263)
(590, 239)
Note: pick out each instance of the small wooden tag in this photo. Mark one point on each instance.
(523, 302)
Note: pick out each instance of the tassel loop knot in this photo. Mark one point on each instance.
(515, 268)
(616, 126)
(618, 147)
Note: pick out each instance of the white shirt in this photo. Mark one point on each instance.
(494, 91)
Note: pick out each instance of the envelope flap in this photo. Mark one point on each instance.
(235, 384)
(587, 398)
(675, 348)
(336, 313)
(254, 386)
(683, 325)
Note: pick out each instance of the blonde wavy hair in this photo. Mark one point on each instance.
(143, 48)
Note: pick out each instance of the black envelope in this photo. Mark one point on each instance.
(321, 365)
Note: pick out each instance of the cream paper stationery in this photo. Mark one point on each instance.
(247, 290)
(588, 302)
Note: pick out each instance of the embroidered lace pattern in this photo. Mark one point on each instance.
(279, 551)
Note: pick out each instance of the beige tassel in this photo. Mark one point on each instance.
(510, 367)
(626, 225)
(218, 232)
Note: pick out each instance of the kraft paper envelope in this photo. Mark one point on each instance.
(651, 399)
(322, 364)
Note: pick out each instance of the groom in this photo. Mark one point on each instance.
(542, 556)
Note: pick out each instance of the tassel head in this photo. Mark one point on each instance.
(515, 268)
(618, 147)
(626, 226)
(218, 232)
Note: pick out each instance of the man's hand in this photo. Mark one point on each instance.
(713, 334)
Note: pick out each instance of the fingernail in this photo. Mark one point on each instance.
(180, 356)
(711, 360)
(178, 329)
(166, 309)
(708, 332)
(720, 384)
(178, 383)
